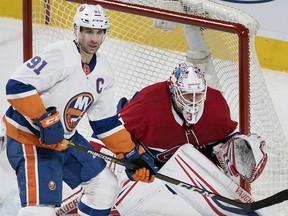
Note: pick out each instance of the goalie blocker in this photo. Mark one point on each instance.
(242, 155)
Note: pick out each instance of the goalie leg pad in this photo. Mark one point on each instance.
(135, 194)
(191, 166)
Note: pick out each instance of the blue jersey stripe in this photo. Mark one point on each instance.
(16, 87)
(105, 125)
(17, 117)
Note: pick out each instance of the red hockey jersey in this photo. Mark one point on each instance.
(151, 119)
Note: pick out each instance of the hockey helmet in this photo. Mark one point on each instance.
(188, 91)
(91, 16)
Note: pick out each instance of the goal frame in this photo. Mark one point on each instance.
(240, 30)
(236, 28)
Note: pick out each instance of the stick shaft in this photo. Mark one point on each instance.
(269, 201)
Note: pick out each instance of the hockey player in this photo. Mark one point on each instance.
(186, 116)
(49, 94)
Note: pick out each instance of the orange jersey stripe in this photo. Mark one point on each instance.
(50, 120)
(30, 106)
(86, 69)
(31, 172)
(119, 142)
(28, 138)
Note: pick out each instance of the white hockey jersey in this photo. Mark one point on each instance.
(56, 78)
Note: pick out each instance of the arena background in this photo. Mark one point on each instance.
(272, 48)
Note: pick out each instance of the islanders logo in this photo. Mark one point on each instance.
(76, 108)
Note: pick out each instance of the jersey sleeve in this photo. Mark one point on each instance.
(25, 99)
(113, 134)
(121, 131)
(103, 117)
(34, 78)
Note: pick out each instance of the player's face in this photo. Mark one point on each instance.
(91, 39)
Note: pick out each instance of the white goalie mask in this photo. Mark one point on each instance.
(90, 16)
(188, 91)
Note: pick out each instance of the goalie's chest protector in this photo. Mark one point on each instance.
(151, 119)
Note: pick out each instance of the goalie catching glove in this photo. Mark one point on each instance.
(242, 155)
(147, 168)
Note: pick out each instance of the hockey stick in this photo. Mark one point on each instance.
(253, 206)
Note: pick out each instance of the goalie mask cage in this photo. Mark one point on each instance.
(142, 54)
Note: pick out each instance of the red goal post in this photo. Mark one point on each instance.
(141, 55)
(188, 19)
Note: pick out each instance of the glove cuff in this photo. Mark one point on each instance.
(49, 118)
(134, 153)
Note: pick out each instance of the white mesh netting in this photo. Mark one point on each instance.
(141, 55)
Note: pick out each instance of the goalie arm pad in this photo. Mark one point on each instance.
(242, 155)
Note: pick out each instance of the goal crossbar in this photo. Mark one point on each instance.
(236, 28)
(141, 52)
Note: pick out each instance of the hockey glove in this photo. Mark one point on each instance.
(146, 172)
(121, 103)
(51, 129)
(242, 155)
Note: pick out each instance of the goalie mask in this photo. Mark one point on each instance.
(90, 16)
(188, 91)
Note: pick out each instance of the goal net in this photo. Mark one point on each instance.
(146, 42)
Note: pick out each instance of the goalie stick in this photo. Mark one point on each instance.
(253, 206)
